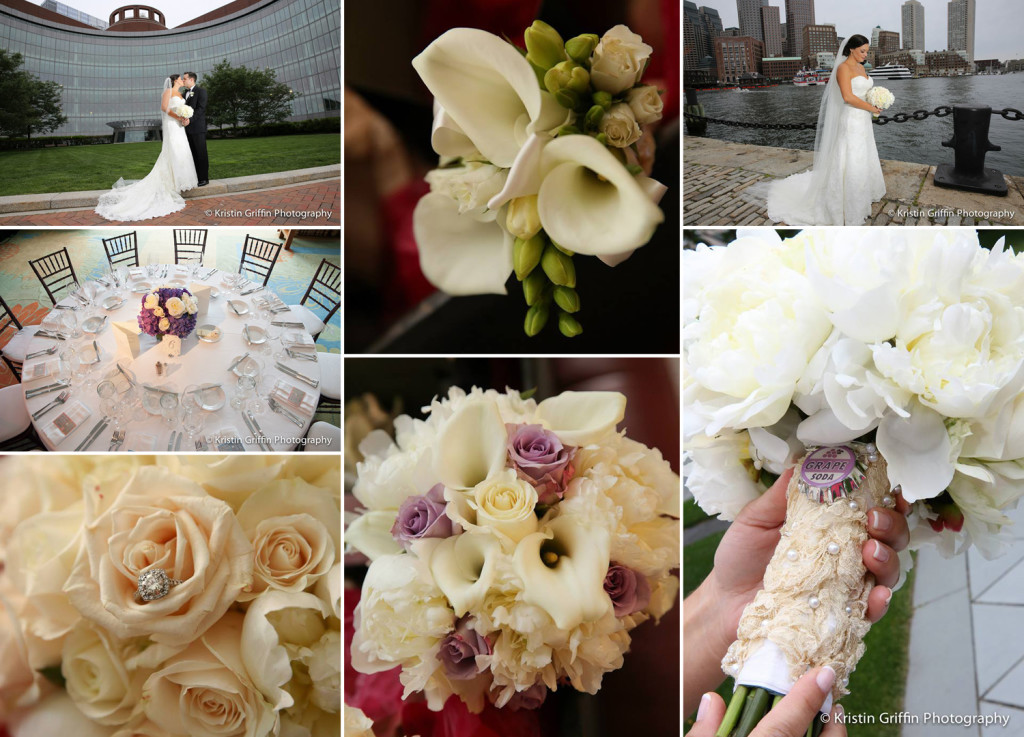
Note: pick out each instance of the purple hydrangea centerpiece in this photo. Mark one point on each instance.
(152, 316)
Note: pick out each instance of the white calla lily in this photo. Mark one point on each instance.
(460, 254)
(917, 452)
(581, 418)
(370, 534)
(524, 176)
(471, 446)
(590, 203)
(563, 568)
(463, 568)
(489, 90)
(448, 139)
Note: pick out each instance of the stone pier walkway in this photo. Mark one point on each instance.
(715, 172)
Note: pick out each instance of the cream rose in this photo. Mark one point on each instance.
(165, 324)
(97, 678)
(158, 311)
(54, 715)
(231, 478)
(161, 521)
(619, 60)
(646, 104)
(31, 487)
(152, 300)
(294, 528)
(206, 689)
(619, 125)
(175, 307)
(506, 503)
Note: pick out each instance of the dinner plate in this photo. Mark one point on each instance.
(211, 397)
(208, 333)
(151, 399)
(94, 325)
(112, 303)
(257, 335)
(249, 363)
(238, 307)
(142, 287)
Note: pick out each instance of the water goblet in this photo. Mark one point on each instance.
(244, 388)
(169, 408)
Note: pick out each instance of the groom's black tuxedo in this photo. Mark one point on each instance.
(196, 131)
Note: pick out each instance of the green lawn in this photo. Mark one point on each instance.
(878, 684)
(74, 168)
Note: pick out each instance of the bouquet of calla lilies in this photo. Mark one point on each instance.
(513, 545)
(544, 155)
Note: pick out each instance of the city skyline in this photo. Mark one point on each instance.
(996, 31)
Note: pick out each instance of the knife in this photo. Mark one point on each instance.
(93, 434)
(96, 348)
(252, 430)
(51, 336)
(38, 391)
(125, 374)
(256, 425)
(295, 374)
(250, 291)
(238, 361)
(177, 443)
(284, 324)
(233, 308)
(170, 443)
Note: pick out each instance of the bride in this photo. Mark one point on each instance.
(846, 177)
(157, 194)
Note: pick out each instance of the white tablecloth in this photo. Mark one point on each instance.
(198, 363)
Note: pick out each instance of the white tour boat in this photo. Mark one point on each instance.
(891, 71)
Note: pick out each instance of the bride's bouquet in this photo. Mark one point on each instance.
(186, 111)
(189, 595)
(168, 311)
(544, 155)
(880, 97)
(514, 546)
(874, 364)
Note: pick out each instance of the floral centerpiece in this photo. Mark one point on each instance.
(513, 544)
(170, 595)
(874, 365)
(168, 311)
(545, 155)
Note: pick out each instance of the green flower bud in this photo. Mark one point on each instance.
(634, 169)
(544, 47)
(602, 139)
(567, 75)
(534, 286)
(522, 219)
(567, 299)
(593, 119)
(580, 48)
(562, 248)
(536, 318)
(558, 267)
(567, 130)
(602, 98)
(568, 325)
(538, 72)
(568, 99)
(526, 255)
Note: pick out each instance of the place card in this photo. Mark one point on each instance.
(60, 427)
(293, 397)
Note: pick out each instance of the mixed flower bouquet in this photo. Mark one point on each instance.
(513, 544)
(880, 97)
(876, 364)
(544, 155)
(170, 596)
(168, 311)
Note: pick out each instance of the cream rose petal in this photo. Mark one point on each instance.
(589, 202)
(471, 446)
(581, 418)
(459, 254)
(55, 715)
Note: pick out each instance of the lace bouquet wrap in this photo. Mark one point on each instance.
(868, 364)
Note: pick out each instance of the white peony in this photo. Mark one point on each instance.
(470, 186)
(619, 60)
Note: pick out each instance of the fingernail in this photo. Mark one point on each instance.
(703, 708)
(888, 599)
(837, 713)
(825, 678)
(880, 554)
(880, 521)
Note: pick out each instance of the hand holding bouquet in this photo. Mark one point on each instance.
(543, 156)
(880, 97)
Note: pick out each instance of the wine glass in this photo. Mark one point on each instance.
(192, 422)
(169, 408)
(244, 388)
(69, 322)
(190, 397)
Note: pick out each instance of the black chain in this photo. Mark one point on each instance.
(1009, 113)
(940, 112)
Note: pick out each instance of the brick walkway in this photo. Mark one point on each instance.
(716, 172)
(322, 200)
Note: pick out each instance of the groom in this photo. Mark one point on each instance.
(196, 128)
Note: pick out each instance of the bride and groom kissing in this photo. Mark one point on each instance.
(182, 164)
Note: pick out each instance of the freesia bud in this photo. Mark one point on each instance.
(580, 48)
(534, 286)
(558, 267)
(593, 118)
(602, 98)
(568, 82)
(526, 255)
(567, 299)
(568, 325)
(522, 219)
(536, 318)
(544, 47)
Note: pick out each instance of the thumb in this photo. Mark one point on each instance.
(792, 715)
(769, 509)
(709, 716)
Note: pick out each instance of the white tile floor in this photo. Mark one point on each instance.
(967, 640)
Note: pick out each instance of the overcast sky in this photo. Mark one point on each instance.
(997, 23)
(179, 11)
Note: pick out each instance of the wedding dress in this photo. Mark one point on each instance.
(155, 195)
(847, 175)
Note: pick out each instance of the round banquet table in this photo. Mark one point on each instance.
(199, 363)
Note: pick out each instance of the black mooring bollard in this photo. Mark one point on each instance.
(693, 107)
(970, 144)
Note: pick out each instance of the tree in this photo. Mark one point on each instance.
(239, 95)
(27, 104)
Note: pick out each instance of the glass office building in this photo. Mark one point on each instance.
(110, 76)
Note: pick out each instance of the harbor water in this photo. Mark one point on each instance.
(915, 141)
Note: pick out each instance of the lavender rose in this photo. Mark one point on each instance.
(459, 650)
(423, 516)
(628, 589)
(531, 698)
(541, 460)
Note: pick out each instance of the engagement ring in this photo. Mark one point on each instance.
(154, 584)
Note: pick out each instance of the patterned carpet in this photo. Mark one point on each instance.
(27, 299)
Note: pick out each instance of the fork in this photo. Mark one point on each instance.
(116, 441)
(61, 398)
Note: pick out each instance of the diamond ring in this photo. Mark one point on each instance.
(154, 584)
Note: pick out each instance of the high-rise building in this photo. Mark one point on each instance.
(737, 57)
(961, 27)
(913, 25)
(712, 27)
(817, 39)
(799, 13)
(888, 42)
(749, 12)
(75, 14)
(771, 30)
(693, 29)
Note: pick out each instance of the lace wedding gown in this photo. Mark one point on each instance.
(853, 180)
(155, 195)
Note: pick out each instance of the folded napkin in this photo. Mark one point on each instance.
(296, 338)
(294, 398)
(139, 442)
(60, 427)
(136, 272)
(227, 440)
(41, 370)
(52, 320)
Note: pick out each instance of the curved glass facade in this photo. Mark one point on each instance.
(118, 76)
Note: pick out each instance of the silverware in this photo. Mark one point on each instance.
(252, 431)
(296, 375)
(238, 361)
(93, 434)
(47, 352)
(276, 407)
(48, 334)
(64, 307)
(170, 443)
(116, 441)
(251, 291)
(212, 272)
(245, 334)
(301, 355)
(177, 443)
(96, 348)
(57, 386)
(233, 308)
(260, 435)
(125, 374)
(202, 446)
(284, 324)
(61, 398)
